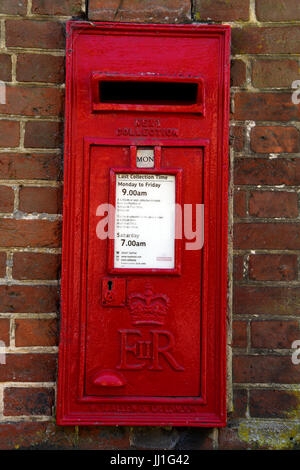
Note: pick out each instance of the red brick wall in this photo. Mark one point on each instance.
(264, 307)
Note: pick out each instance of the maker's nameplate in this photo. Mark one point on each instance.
(145, 221)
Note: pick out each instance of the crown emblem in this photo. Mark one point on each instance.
(148, 308)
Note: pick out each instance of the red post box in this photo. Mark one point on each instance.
(143, 326)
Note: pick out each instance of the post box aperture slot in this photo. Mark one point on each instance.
(156, 93)
(151, 94)
(144, 221)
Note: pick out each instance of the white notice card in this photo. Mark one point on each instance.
(145, 221)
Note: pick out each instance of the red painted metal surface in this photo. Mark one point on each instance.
(144, 346)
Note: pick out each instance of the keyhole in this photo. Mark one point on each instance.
(109, 284)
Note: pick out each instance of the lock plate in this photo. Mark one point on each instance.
(113, 292)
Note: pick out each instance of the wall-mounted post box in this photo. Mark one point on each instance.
(145, 226)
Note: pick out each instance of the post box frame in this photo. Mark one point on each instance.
(209, 409)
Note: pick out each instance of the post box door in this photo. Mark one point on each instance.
(145, 340)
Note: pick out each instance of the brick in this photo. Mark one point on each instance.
(273, 204)
(35, 34)
(35, 233)
(4, 330)
(274, 139)
(40, 199)
(237, 138)
(230, 439)
(43, 134)
(9, 133)
(151, 11)
(28, 299)
(30, 166)
(273, 267)
(36, 332)
(266, 40)
(238, 262)
(265, 106)
(101, 437)
(45, 436)
(222, 10)
(16, 435)
(273, 403)
(274, 73)
(274, 334)
(143, 438)
(239, 337)
(29, 266)
(33, 101)
(273, 236)
(40, 68)
(239, 404)
(267, 171)
(237, 73)
(239, 204)
(28, 401)
(56, 7)
(31, 367)
(6, 199)
(5, 67)
(265, 369)
(268, 300)
(13, 7)
(268, 10)
(2, 264)
(196, 439)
